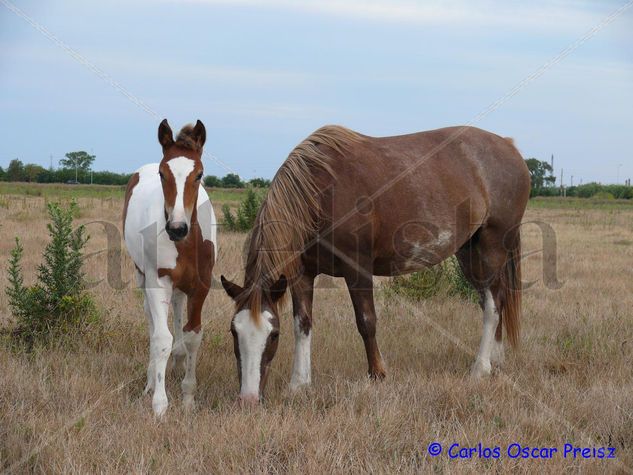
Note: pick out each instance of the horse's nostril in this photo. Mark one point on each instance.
(177, 230)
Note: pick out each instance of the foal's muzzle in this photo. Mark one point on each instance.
(176, 231)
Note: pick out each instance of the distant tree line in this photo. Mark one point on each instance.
(543, 183)
(234, 181)
(30, 172)
(76, 168)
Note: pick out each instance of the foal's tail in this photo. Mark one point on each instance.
(511, 288)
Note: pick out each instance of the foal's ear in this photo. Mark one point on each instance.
(165, 135)
(199, 134)
(233, 290)
(278, 288)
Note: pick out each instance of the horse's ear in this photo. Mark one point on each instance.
(233, 290)
(165, 135)
(199, 134)
(278, 288)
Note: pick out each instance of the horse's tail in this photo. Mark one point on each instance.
(511, 288)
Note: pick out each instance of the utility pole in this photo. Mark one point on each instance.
(572, 181)
(562, 186)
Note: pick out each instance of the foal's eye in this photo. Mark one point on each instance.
(199, 177)
(162, 177)
(274, 336)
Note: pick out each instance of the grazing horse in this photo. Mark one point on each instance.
(353, 206)
(170, 233)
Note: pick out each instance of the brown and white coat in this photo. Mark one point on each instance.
(170, 233)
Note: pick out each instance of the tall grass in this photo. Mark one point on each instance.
(445, 279)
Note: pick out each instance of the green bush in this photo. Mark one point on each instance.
(603, 195)
(57, 305)
(446, 279)
(244, 220)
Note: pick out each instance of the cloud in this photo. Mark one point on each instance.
(537, 15)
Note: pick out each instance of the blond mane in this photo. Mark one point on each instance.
(289, 216)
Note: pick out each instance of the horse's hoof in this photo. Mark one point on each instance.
(188, 402)
(481, 369)
(378, 375)
(159, 406)
(296, 386)
(498, 354)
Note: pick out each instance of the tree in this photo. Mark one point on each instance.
(212, 181)
(78, 160)
(33, 171)
(232, 181)
(15, 172)
(540, 174)
(2, 174)
(260, 182)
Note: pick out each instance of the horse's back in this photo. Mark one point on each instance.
(436, 170)
(429, 192)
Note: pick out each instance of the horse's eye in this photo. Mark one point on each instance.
(162, 177)
(274, 335)
(199, 177)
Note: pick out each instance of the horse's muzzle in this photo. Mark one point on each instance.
(176, 231)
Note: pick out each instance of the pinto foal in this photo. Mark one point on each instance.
(170, 233)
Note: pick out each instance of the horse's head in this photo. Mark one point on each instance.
(180, 173)
(255, 330)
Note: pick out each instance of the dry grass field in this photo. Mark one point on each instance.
(82, 409)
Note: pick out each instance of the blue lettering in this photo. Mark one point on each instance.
(514, 450)
(452, 454)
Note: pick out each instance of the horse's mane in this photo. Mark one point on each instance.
(184, 139)
(290, 214)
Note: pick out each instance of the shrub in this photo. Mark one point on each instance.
(244, 220)
(446, 278)
(57, 305)
(603, 195)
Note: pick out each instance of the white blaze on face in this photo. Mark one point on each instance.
(251, 339)
(181, 168)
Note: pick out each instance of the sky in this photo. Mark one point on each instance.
(262, 75)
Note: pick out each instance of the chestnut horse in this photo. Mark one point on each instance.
(353, 206)
(170, 233)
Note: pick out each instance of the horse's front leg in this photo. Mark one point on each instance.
(361, 291)
(158, 300)
(302, 293)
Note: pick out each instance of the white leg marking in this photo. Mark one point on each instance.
(482, 366)
(149, 386)
(192, 342)
(497, 355)
(178, 351)
(301, 370)
(160, 341)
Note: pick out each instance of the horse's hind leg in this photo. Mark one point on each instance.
(178, 351)
(192, 337)
(140, 283)
(362, 293)
(482, 260)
